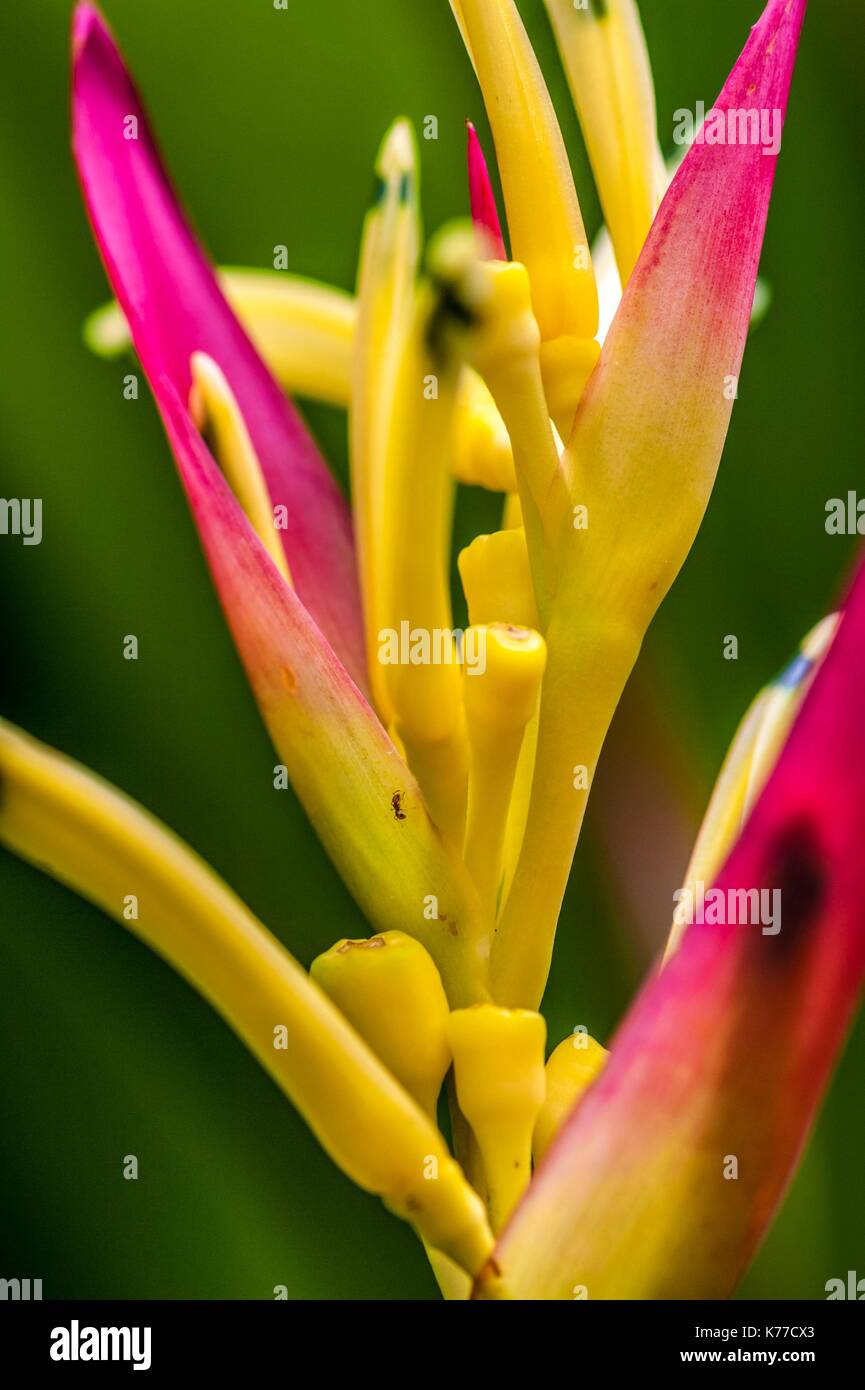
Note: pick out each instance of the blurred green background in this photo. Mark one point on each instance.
(270, 121)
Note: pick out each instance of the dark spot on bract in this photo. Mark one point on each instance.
(798, 870)
(396, 803)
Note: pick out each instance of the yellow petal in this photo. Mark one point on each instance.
(388, 266)
(424, 683)
(217, 415)
(571, 1068)
(544, 218)
(482, 454)
(304, 330)
(605, 57)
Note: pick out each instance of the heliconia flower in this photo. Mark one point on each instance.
(447, 772)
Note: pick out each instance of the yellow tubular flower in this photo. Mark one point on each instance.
(482, 453)
(388, 267)
(605, 57)
(217, 414)
(751, 757)
(304, 330)
(499, 1070)
(83, 832)
(497, 581)
(504, 346)
(390, 990)
(570, 1071)
(544, 219)
(418, 651)
(500, 697)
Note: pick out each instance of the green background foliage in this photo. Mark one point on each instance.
(270, 121)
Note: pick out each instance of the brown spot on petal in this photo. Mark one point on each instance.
(396, 803)
(289, 679)
(374, 943)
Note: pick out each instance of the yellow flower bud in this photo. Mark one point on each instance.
(390, 990)
(504, 694)
(570, 1071)
(499, 1069)
(482, 453)
(497, 580)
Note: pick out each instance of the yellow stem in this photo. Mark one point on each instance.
(587, 668)
(83, 832)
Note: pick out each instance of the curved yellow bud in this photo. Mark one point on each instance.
(570, 1071)
(503, 696)
(482, 454)
(390, 991)
(216, 413)
(499, 1071)
(497, 580)
(605, 57)
(500, 697)
(72, 825)
(418, 647)
(303, 329)
(544, 219)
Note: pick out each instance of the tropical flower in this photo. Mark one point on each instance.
(450, 793)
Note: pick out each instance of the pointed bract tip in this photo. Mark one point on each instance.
(483, 202)
(86, 20)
